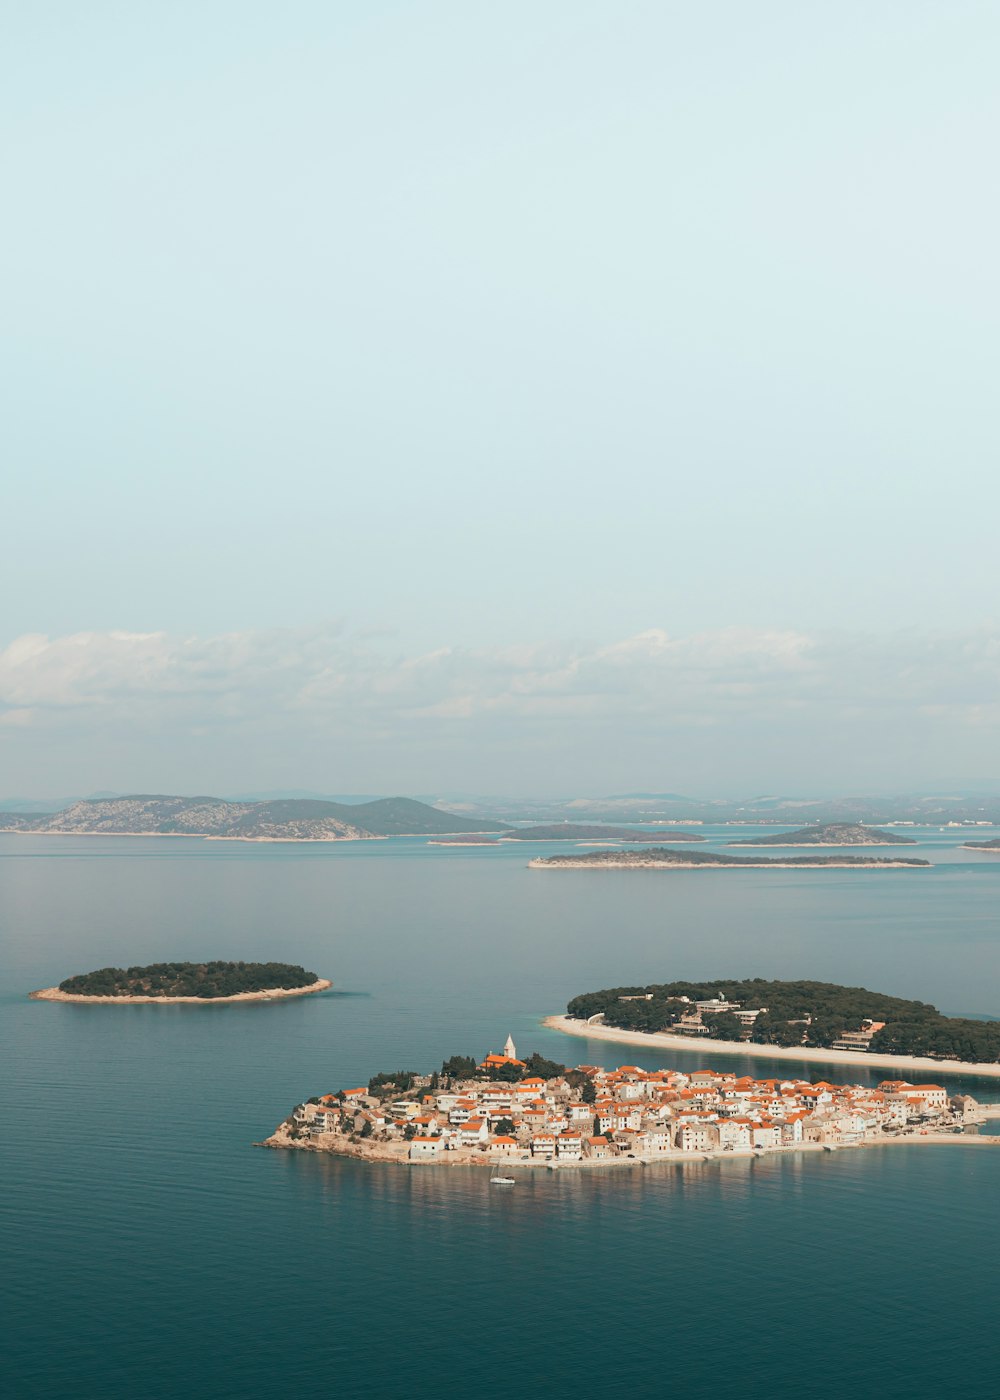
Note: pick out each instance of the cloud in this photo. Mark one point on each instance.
(327, 679)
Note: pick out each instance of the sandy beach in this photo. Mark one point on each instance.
(54, 994)
(707, 1050)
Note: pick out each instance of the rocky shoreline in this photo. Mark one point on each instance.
(396, 1154)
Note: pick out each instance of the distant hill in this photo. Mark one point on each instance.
(830, 834)
(291, 819)
(404, 816)
(573, 831)
(765, 809)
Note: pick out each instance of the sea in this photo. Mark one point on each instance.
(149, 1249)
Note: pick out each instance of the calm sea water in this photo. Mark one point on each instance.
(151, 1251)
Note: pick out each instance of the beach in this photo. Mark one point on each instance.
(54, 994)
(707, 1049)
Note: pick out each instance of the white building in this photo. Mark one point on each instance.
(422, 1148)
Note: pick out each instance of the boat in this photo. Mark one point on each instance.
(501, 1181)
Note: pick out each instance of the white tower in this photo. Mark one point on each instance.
(509, 1049)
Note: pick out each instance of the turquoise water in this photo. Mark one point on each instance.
(150, 1250)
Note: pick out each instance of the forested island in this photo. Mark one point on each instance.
(664, 858)
(793, 1014)
(830, 834)
(573, 831)
(981, 845)
(187, 981)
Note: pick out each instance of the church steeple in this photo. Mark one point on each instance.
(509, 1049)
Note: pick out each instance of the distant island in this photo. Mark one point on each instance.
(816, 1019)
(187, 982)
(469, 838)
(572, 831)
(663, 858)
(830, 834)
(215, 818)
(981, 845)
(505, 1113)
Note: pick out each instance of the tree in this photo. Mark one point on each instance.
(460, 1067)
(395, 1081)
(724, 1025)
(504, 1127)
(366, 1128)
(588, 1094)
(538, 1065)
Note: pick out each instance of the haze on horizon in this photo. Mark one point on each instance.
(537, 399)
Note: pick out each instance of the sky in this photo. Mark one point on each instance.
(561, 397)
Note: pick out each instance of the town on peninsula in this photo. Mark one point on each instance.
(538, 1112)
(503, 1112)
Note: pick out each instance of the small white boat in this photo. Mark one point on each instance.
(501, 1181)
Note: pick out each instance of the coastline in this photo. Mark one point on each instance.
(396, 1155)
(707, 1049)
(182, 835)
(818, 845)
(212, 836)
(471, 845)
(54, 994)
(557, 863)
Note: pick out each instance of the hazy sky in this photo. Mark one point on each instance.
(553, 396)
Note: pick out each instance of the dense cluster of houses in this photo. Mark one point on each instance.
(599, 1114)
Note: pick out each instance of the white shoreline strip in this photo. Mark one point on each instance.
(564, 863)
(818, 845)
(450, 1160)
(707, 1049)
(54, 994)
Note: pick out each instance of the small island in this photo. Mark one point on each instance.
(982, 846)
(830, 834)
(580, 831)
(469, 840)
(508, 1114)
(664, 858)
(793, 1020)
(189, 982)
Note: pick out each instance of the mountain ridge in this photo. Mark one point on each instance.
(289, 819)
